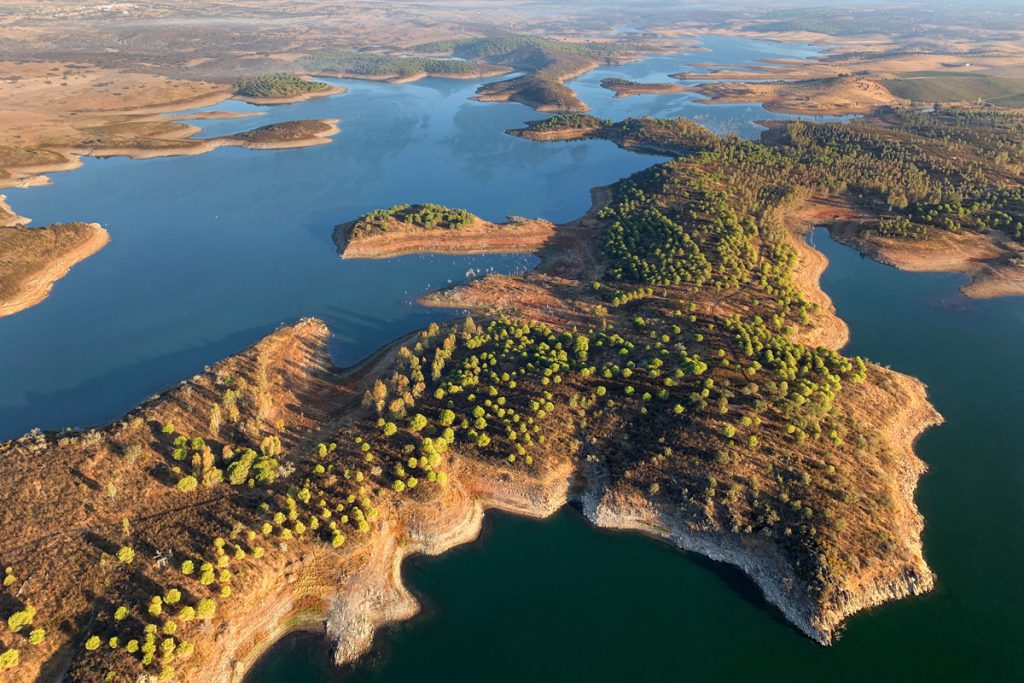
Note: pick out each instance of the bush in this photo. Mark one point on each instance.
(206, 609)
(187, 484)
(21, 619)
(9, 659)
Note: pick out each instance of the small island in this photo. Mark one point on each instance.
(624, 88)
(413, 228)
(32, 259)
(281, 89)
(561, 127)
(285, 135)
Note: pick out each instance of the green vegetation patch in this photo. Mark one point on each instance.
(277, 85)
(425, 216)
(568, 122)
(368, 64)
(489, 48)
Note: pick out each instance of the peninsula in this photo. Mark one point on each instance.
(32, 259)
(671, 366)
(884, 183)
(624, 88)
(407, 229)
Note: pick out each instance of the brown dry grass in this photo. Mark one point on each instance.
(32, 259)
(824, 96)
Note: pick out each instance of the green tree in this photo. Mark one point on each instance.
(187, 484)
(9, 659)
(21, 619)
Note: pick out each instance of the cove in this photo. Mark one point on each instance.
(561, 600)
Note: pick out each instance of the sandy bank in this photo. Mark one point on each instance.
(627, 88)
(817, 97)
(482, 237)
(993, 262)
(33, 259)
(7, 216)
(215, 115)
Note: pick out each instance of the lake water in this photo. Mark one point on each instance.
(209, 253)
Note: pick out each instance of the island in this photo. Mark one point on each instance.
(671, 368)
(406, 229)
(32, 259)
(624, 88)
(281, 88)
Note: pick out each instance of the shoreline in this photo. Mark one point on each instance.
(482, 237)
(398, 79)
(33, 175)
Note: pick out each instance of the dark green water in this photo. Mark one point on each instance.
(559, 600)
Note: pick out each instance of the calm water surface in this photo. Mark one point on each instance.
(209, 253)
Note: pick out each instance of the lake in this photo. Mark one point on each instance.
(210, 253)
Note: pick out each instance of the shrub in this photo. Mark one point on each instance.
(9, 659)
(126, 555)
(206, 609)
(21, 619)
(187, 484)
